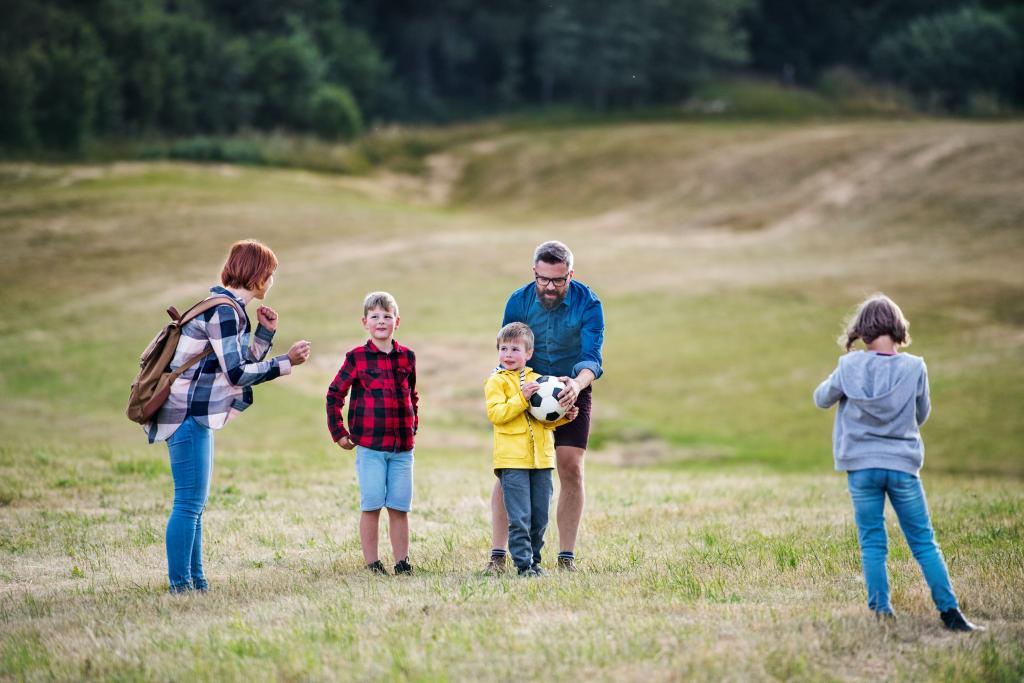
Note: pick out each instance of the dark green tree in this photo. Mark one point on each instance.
(17, 92)
(559, 40)
(951, 56)
(286, 73)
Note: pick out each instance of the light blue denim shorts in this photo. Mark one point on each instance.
(385, 479)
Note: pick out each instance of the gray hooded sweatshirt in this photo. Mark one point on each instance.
(882, 402)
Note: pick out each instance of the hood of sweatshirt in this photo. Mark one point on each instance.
(880, 385)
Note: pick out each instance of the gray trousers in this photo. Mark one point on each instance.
(527, 499)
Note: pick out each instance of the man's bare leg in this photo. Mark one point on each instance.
(499, 518)
(570, 495)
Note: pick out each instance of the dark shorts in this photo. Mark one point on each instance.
(577, 432)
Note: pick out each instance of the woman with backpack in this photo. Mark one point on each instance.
(222, 359)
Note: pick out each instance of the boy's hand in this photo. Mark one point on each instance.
(299, 353)
(572, 413)
(529, 389)
(267, 317)
(346, 443)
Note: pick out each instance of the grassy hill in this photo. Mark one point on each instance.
(718, 544)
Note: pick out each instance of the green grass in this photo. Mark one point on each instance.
(717, 542)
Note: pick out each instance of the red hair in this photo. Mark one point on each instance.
(249, 265)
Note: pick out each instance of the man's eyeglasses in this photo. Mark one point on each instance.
(545, 281)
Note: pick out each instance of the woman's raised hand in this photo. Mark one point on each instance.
(267, 317)
(299, 353)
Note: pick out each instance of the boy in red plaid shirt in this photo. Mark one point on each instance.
(382, 422)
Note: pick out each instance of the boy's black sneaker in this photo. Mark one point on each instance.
(528, 572)
(403, 567)
(954, 620)
(539, 570)
(377, 568)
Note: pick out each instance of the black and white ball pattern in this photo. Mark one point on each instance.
(544, 404)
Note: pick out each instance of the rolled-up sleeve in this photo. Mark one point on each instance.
(222, 330)
(260, 344)
(591, 339)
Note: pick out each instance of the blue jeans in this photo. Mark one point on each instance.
(868, 489)
(385, 479)
(527, 499)
(191, 453)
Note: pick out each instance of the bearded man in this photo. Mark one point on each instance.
(567, 321)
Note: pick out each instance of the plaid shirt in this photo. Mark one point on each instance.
(219, 387)
(384, 413)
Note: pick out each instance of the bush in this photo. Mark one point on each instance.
(757, 99)
(228, 150)
(335, 113)
(950, 57)
(854, 95)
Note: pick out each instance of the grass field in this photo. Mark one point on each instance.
(717, 542)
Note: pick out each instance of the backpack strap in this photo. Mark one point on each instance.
(205, 305)
(190, 362)
(192, 313)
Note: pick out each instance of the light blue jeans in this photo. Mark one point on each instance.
(527, 498)
(385, 479)
(868, 489)
(191, 453)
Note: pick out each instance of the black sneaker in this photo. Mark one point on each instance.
(528, 572)
(377, 568)
(954, 620)
(496, 566)
(539, 570)
(567, 564)
(403, 567)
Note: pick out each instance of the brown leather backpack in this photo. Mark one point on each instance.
(152, 385)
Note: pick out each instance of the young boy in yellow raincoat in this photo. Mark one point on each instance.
(524, 447)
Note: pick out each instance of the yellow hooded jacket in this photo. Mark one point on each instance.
(520, 441)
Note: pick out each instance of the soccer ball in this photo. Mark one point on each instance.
(544, 404)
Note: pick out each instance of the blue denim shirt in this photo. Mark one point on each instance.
(567, 339)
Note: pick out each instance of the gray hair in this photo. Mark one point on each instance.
(553, 252)
(380, 300)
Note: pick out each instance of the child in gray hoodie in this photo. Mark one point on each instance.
(883, 400)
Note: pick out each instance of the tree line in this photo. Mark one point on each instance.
(74, 69)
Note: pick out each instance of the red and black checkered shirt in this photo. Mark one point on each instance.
(384, 410)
